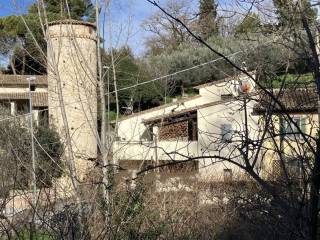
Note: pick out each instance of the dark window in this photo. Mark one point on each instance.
(32, 88)
(22, 106)
(226, 96)
(5, 104)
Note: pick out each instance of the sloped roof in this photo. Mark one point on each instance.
(184, 111)
(160, 107)
(21, 80)
(213, 82)
(39, 99)
(293, 100)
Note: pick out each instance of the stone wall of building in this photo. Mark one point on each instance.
(72, 65)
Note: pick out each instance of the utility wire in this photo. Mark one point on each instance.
(146, 82)
(175, 73)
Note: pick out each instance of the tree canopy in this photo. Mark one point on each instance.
(267, 58)
(208, 21)
(22, 40)
(130, 71)
(287, 12)
(78, 9)
(15, 153)
(250, 24)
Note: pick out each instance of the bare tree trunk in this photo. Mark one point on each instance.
(104, 155)
(315, 173)
(116, 94)
(114, 83)
(314, 195)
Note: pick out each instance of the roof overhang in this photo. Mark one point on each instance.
(22, 80)
(293, 101)
(182, 115)
(236, 77)
(39, 99)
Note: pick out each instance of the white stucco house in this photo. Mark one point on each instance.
(14, 94)
(200, 127)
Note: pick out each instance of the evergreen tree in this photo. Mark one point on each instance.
(18, 44)
(57, 9)
(250, 24)
(130, 71)
(15, 153)
(208, 22)
(288, 12)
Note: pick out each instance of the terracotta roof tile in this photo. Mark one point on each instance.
(10, 80)
(39, 99)
(293, 100)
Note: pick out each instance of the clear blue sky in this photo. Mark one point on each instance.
(9, 7)
(127, 17)
(122, 12)
(137, 11)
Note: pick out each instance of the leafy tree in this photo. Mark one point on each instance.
(130, 71)
(18, 43)
(15, 153)
(49, 154)
(79, 9)
(287, 11)
(189, 55)
(266, 58)
(208, 21)
(250, 24)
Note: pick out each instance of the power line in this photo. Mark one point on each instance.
(188, 69)
(146, 82)
(132, 86)
(175, 73)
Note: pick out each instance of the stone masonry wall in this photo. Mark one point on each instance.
(72, 65)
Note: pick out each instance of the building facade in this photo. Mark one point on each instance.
(70, 88)
(202, 128)
(292, 128)
(14, 95)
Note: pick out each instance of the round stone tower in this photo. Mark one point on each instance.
(72, 71)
